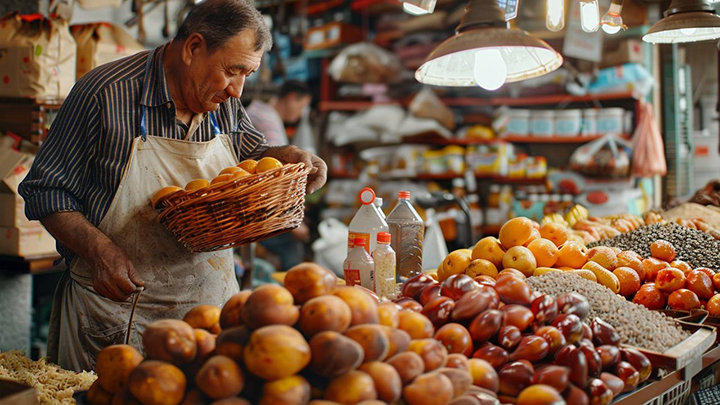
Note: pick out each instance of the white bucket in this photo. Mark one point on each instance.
(610, 121)
(568, 122)
(543, 123)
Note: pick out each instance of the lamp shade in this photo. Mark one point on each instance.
(685, 21)
(455, 62)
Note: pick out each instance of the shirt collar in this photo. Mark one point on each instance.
(155, 90)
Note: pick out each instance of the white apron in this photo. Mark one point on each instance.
(175, 279)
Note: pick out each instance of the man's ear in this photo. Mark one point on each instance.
(193, 46)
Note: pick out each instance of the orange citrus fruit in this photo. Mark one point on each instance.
(481, 267)
(545, 252)
(266, 164)
(682, 266)
(629, 281)
(534, 235)
(652, 266)
(248, 165)
(650, 297)
(456, 262)
(164, 192)
(240, 173)
(663, 250)
(520, 258)
(572, 254)
(489, 248)
(632, 260)
(557, 233)
(683, 300)
(230, 170)
(222, 178)
(603, 256)
(713, 305)
(515, 232)
(196, 184)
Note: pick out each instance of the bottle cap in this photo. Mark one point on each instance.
(383, 237)
(367, 196)
(378, 202)
(404, 195)
(359, 242)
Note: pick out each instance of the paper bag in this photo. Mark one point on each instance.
(100, 43)
(37, 57)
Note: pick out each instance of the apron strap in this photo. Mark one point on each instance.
(214, 124)
(143, 109)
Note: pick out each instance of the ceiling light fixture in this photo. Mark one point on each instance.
(419, 7)
(555, 20)
(484, 52)
(589, 15)
(685, 21)
(612, 20)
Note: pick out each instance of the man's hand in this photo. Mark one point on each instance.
(113, 274)
(293, 154)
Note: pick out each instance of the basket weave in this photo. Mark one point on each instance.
(237, 212)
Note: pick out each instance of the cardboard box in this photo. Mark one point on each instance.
(630, 51)
(18, 235)
(28, 241)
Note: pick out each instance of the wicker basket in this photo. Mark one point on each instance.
(237, 212)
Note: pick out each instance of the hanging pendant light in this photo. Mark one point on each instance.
(486, 52)
(685, 21)
(612, 21)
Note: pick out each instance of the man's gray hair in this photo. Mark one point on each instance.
(219, 20)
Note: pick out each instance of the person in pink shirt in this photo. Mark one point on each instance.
(285, 108)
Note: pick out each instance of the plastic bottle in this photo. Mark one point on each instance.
(368, 221)
(385, 262)
(359, 268)
(407, 230)
(379, 204)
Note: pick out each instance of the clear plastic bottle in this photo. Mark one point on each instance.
(384, 258)
(407, 230)
(368, 221)
(359, 267)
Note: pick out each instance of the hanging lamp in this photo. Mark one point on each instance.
(685, 21)
(485, 52)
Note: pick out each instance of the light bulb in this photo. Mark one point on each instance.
(688, 31)
(413, 9)
(589, 15)
(555, 20)
(490, 70)
(612, 21)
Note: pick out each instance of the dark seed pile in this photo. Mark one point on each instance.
(637, 325)
(695, 247)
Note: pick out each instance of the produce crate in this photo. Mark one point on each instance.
(686, 353)
(15, 393)
(677, 395)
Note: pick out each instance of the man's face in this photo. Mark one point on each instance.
(212, 78)
(293, 107)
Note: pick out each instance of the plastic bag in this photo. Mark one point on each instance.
(649, 151)
(365, 63)
(608, 156)
(305, 137)
(331, 248)
(426, 104)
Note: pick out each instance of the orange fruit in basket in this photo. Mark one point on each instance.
(239, 174)
(650, 297)
(230, 170)
(266, 164)
(629, 281)
(222, 178)
(545, 252)
(603, 256)
(516, 232)
(248, 165)
(489, 248)
(161, 194)
(572, 254)
(683, 300)
(196, 184)
(557, 233)
(663, 250)
(713, 306)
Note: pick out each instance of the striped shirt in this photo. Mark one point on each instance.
(80, 164)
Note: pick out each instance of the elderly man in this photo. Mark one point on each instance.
(128, 128)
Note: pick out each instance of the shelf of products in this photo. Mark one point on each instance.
(358, 105)
(438, 140)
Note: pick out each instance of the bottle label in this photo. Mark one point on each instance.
(352, 236)
(352, 277)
